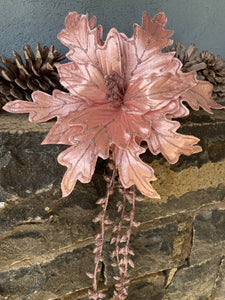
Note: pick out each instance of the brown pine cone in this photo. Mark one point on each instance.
(214, 73)
(18, 79)
(208, 67)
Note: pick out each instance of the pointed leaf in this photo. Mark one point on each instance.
(123, 239)
(90, 275)
(96, 250)
(136, 224)
(115, 228)
(101, 201)
(108, 222)
(127, 218)
(130, 262)
(116, 278)
(98, 236)
(131, 252)
(113, 254)
(101, 295)
(96, 220)
(113, 240)
(123, 251)
(114, 265)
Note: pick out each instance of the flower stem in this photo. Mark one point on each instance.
(122, 253)
(99, 239)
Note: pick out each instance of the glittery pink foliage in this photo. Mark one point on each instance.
(121, 91)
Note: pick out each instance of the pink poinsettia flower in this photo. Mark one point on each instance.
(121, 91)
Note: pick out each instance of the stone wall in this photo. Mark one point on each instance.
(46, 241)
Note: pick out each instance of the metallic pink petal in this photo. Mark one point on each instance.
(112, 120)
(85, 81)
(118, 126)
(151, 37)
(200, 96)
(160, 18)
(124, 126)
(80, 162)
(81, 37)
(147, 42)
(129, 56)
(164, 138)
(133, 171)
(80, 159)
(174, 67)
(45, 107)
(110, 54)
(62, 132)
(175, 109)
(156, 64)
(155, 92)
(137, 125)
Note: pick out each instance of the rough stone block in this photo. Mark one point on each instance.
(57, 276)
(194, 282)
(218, 291)
(151, 287)
(208, 235)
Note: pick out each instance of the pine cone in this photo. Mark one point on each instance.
(208, 67)
(19, 79)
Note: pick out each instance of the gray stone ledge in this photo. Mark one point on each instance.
(46, 241)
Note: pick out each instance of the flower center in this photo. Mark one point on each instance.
(116, 89)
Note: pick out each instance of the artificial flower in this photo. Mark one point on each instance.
(121, 91)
